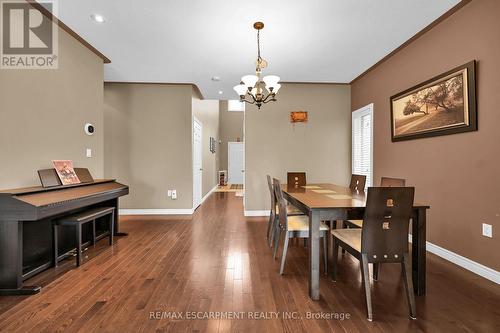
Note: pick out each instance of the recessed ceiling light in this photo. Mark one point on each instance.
(215, 78)
(220, 92)
(98, 18)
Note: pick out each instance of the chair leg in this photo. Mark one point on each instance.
(375, 271)
(305, 242)
(78, 244)
(325, 253)
(56, 250)
(335, 256)
(409, 286)
(270, 226)
(277, 233)
(366, 282)
(344, 226)
(283, 254)
(274, 226)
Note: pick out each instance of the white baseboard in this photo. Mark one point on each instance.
(257, 212)
(474, 267)
(161, 211)
(187, 211)
(208, 194)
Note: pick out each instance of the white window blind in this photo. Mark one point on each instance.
(362, 143)
(235, 105)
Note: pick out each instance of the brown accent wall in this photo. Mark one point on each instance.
(43, 113)
(458, 175)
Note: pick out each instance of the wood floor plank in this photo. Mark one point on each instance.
(218, 262)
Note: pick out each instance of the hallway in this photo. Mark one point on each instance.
(182, 273)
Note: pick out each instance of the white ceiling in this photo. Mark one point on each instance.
(190, 41)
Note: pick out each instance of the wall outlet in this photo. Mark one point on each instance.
(487, 230)
(89, 152)
(174, 194)
(169, 193)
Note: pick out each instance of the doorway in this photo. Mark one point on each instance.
(197, 163)
(236, 162)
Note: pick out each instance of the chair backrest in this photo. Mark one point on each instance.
(296, 179)
(271, 192)
(384, 236)
(283, 217)
(392, 182)
(357, 183)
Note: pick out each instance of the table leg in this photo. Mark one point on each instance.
(419, 251)
(314, 260)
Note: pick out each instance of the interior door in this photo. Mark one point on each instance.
(236, 162)
(197, 163)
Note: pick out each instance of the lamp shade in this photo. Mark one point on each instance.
(276, 88)
(249, 80)
(271, 81)
(240, 89)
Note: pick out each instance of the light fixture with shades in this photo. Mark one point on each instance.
(259, 90)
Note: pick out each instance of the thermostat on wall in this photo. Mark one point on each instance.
(89, 129)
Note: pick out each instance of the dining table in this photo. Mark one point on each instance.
(330, 202)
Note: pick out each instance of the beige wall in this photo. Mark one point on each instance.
(148, 143)
(207, 112)
(43, 113)
(321, 147)
(231, 128)
(456, 174)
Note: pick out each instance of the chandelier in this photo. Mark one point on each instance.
(259, 90)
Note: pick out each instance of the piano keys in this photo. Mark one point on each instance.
(26, 217)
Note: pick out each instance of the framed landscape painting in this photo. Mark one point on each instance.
(442, 105)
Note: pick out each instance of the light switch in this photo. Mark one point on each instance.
(89, 152)
(487, 230)
(169, 193)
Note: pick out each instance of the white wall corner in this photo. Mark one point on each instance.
(470, 265)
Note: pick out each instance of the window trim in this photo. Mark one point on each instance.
(365, 110)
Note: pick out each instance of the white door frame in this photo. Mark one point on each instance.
(195, 120)
(229, 160)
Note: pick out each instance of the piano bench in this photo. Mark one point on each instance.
(79, 219)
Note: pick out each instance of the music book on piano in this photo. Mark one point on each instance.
(66, 172)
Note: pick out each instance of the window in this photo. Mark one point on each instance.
(362, 143)
(235, 105)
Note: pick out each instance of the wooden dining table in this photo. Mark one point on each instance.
(329, 202)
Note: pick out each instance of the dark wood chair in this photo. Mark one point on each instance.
(78, 220)
(384, 182)
(273, 216)
(383, 238)
(358, 183)
(296, 179)
(294, 226)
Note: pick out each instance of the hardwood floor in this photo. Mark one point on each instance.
(217, 260)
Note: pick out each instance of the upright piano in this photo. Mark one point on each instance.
(26, 217)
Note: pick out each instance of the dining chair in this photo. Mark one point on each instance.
(273, 216)
(296, 179)
(357, 183)
(294, 226)
(383, 238)
(384, 182)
